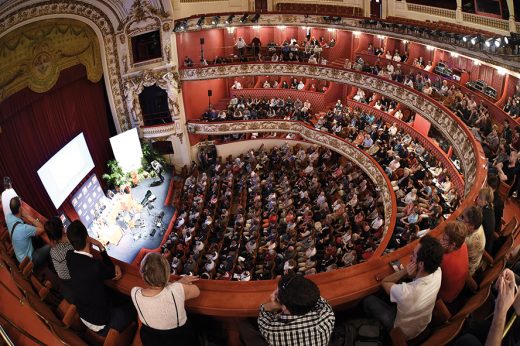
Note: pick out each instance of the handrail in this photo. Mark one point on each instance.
(5, 337)
(21, 331)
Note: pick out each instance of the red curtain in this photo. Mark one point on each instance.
(36, 126)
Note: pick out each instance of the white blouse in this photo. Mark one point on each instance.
(162, 311)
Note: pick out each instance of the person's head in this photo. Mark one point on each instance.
(298, 294)
(77, 235)
(7, 183)
(493, 181)
(155, 270)
(472, 217)
(15, 205)
(428, 254)
(485, 197)
(54, 228)
(454, 236)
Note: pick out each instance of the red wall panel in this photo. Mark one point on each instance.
(195, 96)
(188, 44)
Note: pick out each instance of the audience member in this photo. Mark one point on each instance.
(415, 300)
(475, 239)
(454, 265)
(160, 305)
(25, 236)
(87, 275)
(295, 315)
(7, 195)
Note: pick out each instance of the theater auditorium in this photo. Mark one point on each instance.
(267, 172)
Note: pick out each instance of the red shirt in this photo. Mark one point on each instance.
(454, 271)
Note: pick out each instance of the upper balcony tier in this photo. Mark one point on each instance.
(476, 44)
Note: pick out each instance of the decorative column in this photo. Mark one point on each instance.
(366, 8)
(511, 6)
(458, 11)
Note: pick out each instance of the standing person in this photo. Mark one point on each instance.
(498, 204)
(22, 234)
(241, 45)
(158, 168)
(295, 315)
(7, 195)
(87, 282)
(160, 305)
(415, 300)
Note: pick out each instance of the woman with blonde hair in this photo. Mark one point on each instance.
(160, 305)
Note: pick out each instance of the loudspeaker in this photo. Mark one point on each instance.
(210, 92)
(202, 40)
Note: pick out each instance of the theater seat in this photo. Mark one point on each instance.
(113, 338)
(473, 303)
(445, 334)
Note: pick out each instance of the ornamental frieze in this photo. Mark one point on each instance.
(441, 118)
(361, 159)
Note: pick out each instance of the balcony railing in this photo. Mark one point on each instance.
(452, 128)
(434, 11)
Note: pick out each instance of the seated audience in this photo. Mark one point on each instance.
(415, 300)
(160, 305)
(90, 294)
(23, 235)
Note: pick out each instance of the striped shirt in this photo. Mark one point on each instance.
(58, 254)
(312, 329)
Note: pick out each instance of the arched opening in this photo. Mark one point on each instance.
(154, 104)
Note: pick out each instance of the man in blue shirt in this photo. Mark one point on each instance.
(22, 233)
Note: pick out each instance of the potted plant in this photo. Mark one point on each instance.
(115, 176)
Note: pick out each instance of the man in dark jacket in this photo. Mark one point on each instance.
(87, 276)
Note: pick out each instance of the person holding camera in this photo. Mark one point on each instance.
(295, 314)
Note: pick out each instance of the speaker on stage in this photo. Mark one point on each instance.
(210, 93)
(202, 40)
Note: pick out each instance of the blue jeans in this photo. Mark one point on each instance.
(377, 308)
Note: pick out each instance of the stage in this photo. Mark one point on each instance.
(127, 224)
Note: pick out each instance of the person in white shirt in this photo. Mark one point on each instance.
(392, 130)
(388, 55)
(360, 95)
(301, 85)
(312, 59)
(428, 67)
(160, 305)
(7, 195)
(415, 300)
(241, 45)
(236, 85)
(397, 57)
(267, 85)
(274, 58)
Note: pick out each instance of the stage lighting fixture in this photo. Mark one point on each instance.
(488, 42)
(181, 26)
(474, 40)
(255, 18)
(506, 40)
(229, 19)
(215, 20)
(200, 22)
(244, 18)
(498, 42)
(466, 38)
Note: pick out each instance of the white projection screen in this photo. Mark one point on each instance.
(127, 150)
(65, 170)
